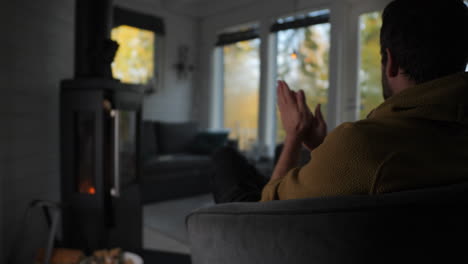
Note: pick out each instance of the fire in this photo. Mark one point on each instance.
(87, 187)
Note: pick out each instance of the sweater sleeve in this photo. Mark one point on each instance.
(343, 164)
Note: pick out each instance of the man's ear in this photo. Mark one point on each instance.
(392, 68)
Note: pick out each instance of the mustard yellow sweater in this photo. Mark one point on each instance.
(417, 138)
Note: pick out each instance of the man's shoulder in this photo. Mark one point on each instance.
(357, 135)
(352, 150)
(358, 128)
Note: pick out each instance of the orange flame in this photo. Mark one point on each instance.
(87, 187)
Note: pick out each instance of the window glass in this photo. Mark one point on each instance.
(241, 91)
(134, 61)
(303, 59)
(370, 83)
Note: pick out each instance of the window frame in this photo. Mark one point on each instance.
(343, 92)
(353, 97)
(225, 38)
(359, 67)
(123, 16)
(303, 21)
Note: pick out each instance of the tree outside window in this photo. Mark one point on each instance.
(370, 83)
(134, 61)
(241, 91)
(303, 59)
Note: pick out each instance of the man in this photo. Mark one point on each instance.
(417, 138)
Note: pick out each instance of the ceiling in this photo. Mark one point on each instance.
(204, 8)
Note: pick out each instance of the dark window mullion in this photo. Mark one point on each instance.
(131, 18)
(300, 23)
(231, 38)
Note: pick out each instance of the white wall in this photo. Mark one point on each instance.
(36, 53)
(172, 101)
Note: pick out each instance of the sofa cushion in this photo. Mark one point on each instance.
(205, 143)
(171, 163)
(148, 140)
(175, 137)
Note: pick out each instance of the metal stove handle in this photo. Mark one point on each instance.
(115, 189)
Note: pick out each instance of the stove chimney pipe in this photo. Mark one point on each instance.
(94, 51)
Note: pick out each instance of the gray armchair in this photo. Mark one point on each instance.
(422, 226)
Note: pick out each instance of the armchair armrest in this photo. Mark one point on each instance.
(421, 225)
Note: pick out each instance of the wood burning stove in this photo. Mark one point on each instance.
(100, 122)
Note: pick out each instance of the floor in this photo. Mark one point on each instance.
(164, 223)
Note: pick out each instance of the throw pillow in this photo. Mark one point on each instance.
(148, 146)
(174, 138)
(206, 143)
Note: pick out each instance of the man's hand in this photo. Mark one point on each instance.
(316, 135)
(295, 114)
(301, 126)
(298, 121)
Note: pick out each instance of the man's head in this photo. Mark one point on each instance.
(422, 40)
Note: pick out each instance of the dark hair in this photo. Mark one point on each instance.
(428, 39)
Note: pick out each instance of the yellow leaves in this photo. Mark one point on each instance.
(134, 61)
(370, 65)
(241, 91)
(245, 45)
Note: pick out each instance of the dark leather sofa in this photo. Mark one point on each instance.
(419, 226)
(176, 160)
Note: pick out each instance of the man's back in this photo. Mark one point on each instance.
(416, 139)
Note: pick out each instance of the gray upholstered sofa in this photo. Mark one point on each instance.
(176, 159)
(423, 226)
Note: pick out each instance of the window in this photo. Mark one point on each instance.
(240, 84)
(370, 84)
(241, 91)
(303, 47)
(136, 60)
